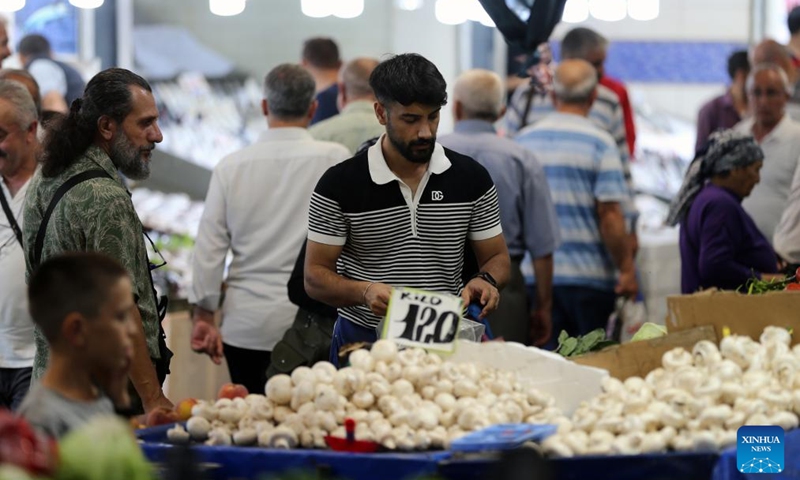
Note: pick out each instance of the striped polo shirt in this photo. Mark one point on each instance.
(388, 236)
(606, 113)
(583, 167)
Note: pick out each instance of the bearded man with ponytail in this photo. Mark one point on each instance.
(78, 201)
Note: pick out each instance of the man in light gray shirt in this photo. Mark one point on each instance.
(257, 208)
(356, 121)
(526, 209)
(768, 91)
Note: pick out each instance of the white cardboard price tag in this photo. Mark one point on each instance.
(429, 320)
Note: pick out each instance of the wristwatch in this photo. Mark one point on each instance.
(487, 277)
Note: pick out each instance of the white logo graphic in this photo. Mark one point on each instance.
(436, 195)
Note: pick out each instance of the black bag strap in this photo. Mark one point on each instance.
(62, 190)
(10, 215)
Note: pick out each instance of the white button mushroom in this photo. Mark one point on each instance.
(362, 360)
(245, 437)
(178, 435)
(324, 371)
(676, 358)
(384, 351)
(302, 373)
(302, 393)
(402, 388)
(219, 437)
(206, 411)
(465, 388)
(787, 420)
(198, 428)
(280, 413)
(363, 399)
(279, 389)
(282, 437)
(327, 400)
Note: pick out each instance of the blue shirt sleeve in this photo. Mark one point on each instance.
(540, 228)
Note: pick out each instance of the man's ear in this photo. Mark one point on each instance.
(73, 329)
(107, 127)
(312, 110)
(382, 113)
(265, 107)
(30, 133)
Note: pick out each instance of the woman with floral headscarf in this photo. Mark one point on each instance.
(720, 244)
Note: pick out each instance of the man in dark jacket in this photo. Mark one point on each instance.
(59, 83)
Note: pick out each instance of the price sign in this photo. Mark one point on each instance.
(416, 318)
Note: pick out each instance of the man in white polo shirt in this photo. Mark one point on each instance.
(401, 213)
(768, 91)
(256, 207)
(18, 146)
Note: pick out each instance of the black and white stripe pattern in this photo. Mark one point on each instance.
(375, 226)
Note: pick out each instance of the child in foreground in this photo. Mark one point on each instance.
(83, 304)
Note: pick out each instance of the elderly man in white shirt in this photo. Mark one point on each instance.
(768, 91)
(18, 147)
(257, 208)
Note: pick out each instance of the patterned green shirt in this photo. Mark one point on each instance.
(96, 215)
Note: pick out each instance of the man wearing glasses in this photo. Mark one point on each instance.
(78, 202)
(18, 146)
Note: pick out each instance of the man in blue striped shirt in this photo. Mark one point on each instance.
(582, 163)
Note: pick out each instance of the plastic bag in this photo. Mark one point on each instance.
(627, 319)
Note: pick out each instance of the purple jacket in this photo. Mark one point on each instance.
(720, 244)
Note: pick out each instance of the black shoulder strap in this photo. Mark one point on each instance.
(62, 190)
(10, 215)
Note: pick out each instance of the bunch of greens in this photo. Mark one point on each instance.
(591, 342)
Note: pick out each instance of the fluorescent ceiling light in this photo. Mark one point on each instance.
(576, 11)
(317, 8)
(450, 12)
(11, 5)
(226, 8)
(608, 10)
(348, 8)
(409, 5)
(643, 10)
(86, 3)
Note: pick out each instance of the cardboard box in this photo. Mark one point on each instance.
(742, 314)
(637, 359)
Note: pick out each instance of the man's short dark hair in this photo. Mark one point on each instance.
(738, 61)
(406, 79)
(579, 42)
(33, 45)
(793, 20)
(322, 53)
(73, 282)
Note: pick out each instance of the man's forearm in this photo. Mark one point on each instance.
(615, 238)
(499, 267)
(543, 270)
(333, 289)
(143, 373)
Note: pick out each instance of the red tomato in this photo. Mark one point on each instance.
(793, 287)
(797, 275)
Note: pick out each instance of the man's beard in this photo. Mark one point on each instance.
(407, 150)
(129, 159)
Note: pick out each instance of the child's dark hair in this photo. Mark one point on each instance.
(73, 282)
(406, 79)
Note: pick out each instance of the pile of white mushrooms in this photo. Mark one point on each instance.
(404, 400)
(696, 402)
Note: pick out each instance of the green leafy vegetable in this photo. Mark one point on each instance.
(591, 342)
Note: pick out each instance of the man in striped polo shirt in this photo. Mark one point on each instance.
(595, 262)
(401, 213)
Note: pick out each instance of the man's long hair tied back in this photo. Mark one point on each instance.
(107, 94)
